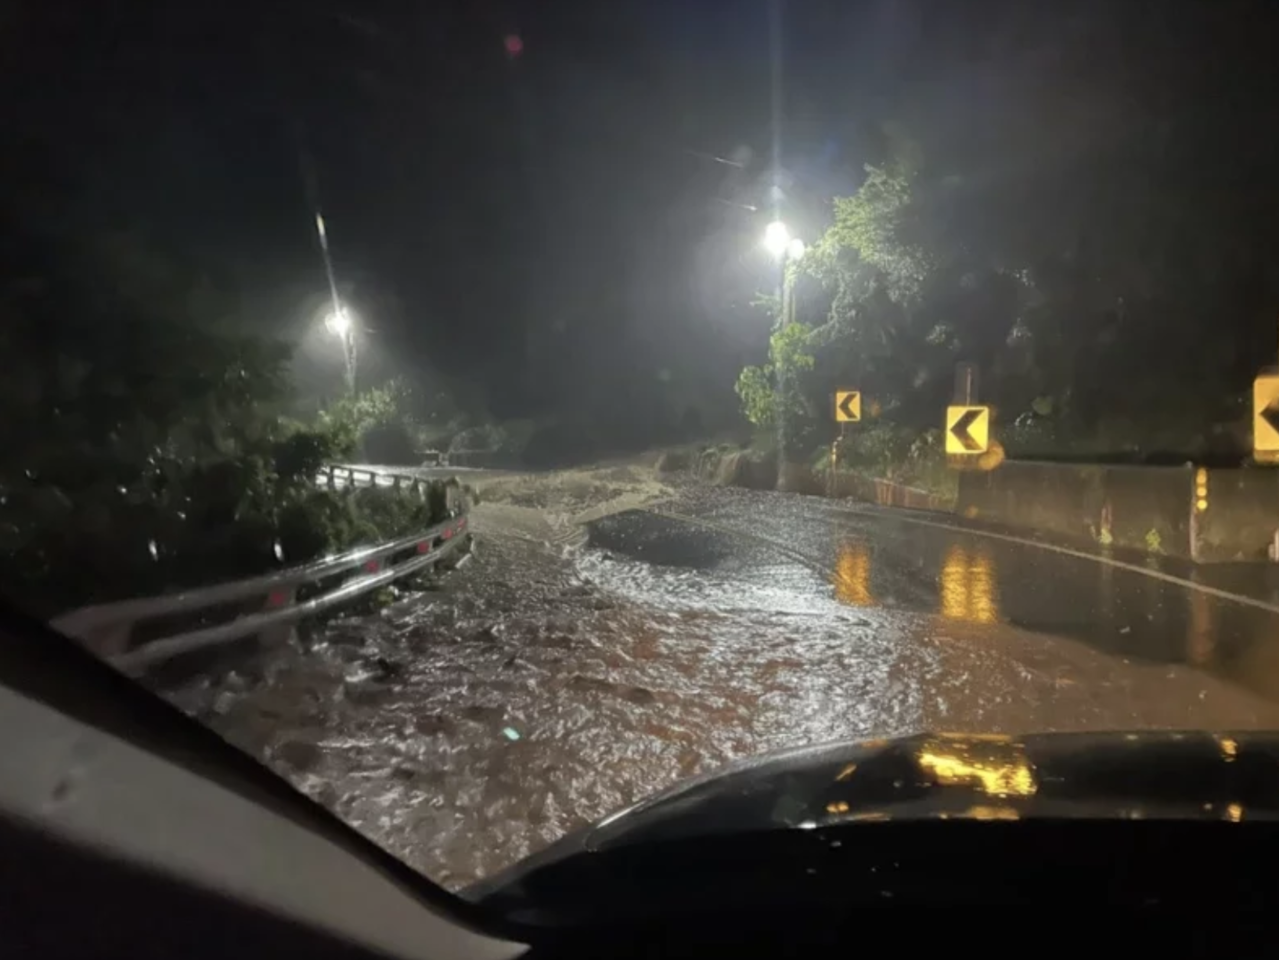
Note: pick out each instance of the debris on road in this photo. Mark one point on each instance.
(641, 667)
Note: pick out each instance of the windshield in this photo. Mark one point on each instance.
(489, 414)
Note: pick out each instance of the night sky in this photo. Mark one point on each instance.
(564, 228)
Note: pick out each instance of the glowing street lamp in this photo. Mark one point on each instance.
(338, 322)
(777, 238)
(786, 249)
(341, 324)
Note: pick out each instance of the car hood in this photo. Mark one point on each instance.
(1133, 775)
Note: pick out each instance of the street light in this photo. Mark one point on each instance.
(779, 242)
(341, 324)
(338, 322)
(777, 238)
(787, 249)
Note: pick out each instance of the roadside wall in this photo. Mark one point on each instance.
(1240, 515)
(1154, 510)
(1140, 508)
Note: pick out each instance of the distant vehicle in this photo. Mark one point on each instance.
(129, 830)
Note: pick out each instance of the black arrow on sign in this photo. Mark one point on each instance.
(846, 406)
(960, 429)
(1271, 416)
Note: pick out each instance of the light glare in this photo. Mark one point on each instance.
(776, 238)
(338, 322)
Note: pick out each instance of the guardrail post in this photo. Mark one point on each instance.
(282, 632)
(332, 480)
(395, 483)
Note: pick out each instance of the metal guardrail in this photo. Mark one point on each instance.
(337, 476)
(109, 629)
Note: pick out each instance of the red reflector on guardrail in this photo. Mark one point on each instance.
(372, 566)
(448, 532)
(424, 546)
(277, 598)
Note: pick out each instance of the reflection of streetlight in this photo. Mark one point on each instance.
(340, 323)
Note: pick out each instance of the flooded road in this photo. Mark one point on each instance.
(546, 685)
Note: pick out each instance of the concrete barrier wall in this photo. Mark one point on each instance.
(1139, 508)
(1155, 510)
(1239, 517)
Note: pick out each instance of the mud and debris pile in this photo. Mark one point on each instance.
(552, 507)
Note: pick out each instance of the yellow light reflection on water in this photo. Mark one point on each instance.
(969, 591)
(991, 813)
(998, 769)
(852, 575)
(954, 585)
(982, 607)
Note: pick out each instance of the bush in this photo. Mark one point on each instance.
(377, 425)
(146, 457)
(390, 443)
(888, 451)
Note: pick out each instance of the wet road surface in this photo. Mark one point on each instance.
(891, 565)
(536, 690)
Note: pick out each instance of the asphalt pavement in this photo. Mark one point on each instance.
(548, 684)
(1038, 607)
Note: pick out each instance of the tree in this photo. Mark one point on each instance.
(1080, 289)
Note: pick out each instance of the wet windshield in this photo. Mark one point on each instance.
(489, 414)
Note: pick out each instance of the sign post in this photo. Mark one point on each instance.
(848, 409)
(967, 422)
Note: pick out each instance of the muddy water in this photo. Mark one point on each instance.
(464, 729)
